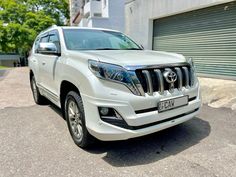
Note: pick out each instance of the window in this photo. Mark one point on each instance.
(97, 15)
(54, 38)
(36, 45)
(44, 39)
(80, 39)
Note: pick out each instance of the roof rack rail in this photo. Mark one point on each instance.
(53, 26)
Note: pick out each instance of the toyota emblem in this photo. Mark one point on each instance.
(170, 76)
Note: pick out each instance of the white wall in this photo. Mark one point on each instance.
(117, 14)
(105, 8)
(139, 15)
(112, 16)
(87, 8)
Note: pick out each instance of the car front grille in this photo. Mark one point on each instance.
(153, 80)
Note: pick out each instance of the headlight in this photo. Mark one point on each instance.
(190, 61)
(192, 71)
(115, 73)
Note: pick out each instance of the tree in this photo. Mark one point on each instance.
(22, 20)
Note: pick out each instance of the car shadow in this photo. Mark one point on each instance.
(153, 147)
(56, 109)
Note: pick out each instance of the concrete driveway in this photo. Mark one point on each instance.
(35, 142)
(3, 72)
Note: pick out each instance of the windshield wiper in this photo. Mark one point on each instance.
(106, 49)
(118, 49)
(133, 49)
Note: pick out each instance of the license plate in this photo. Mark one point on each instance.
(172, 103)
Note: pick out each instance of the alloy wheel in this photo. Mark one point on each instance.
(75, 119)
(34, 89)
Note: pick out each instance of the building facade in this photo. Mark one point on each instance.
(100, 14)
(204, 30)
(75, 10)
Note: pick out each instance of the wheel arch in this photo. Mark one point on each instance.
(65, 88)
(31, 74)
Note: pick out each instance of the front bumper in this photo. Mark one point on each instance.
(140, 124)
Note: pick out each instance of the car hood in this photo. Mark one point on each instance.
(135, 57)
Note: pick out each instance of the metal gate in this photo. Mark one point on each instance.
(207, 35)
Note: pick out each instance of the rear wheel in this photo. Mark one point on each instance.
(74, 112)
(38, 98)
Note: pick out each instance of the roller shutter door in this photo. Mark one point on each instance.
(207, 35)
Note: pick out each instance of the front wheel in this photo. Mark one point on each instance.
(74, 112)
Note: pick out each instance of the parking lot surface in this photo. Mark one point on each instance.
(35, 142)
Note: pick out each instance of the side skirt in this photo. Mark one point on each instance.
(49, 95)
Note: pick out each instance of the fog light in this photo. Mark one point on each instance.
(104, 111)
(111, 116)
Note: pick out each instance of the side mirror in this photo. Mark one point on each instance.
(48, 48)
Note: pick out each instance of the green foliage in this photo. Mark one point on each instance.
(22, 20)
(3, 67)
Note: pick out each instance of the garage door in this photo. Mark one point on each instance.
(207, 35)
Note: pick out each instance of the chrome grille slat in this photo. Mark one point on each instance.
(192, 77)
(160, 80)
(148, 81)
(180, 77)
(186, 75)
(153, 79)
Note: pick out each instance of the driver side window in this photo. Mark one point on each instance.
(44, 39)
(38, 40)
(54, 38)
(36, 45)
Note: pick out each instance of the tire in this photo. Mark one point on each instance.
(38, 98)
(75, 117)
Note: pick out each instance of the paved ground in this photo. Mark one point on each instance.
(15, 89)
(2, 73)
(219, 93)
(35, 142)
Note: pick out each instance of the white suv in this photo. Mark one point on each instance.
(108, 87)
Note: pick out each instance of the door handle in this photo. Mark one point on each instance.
(43, 63)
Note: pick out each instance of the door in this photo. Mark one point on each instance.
(49, 66)
(39, 59)
(207, 35)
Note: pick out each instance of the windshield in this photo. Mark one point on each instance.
(89, 39)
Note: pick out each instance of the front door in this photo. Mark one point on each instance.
(50, 65)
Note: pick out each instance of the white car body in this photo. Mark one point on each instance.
(138, 112)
